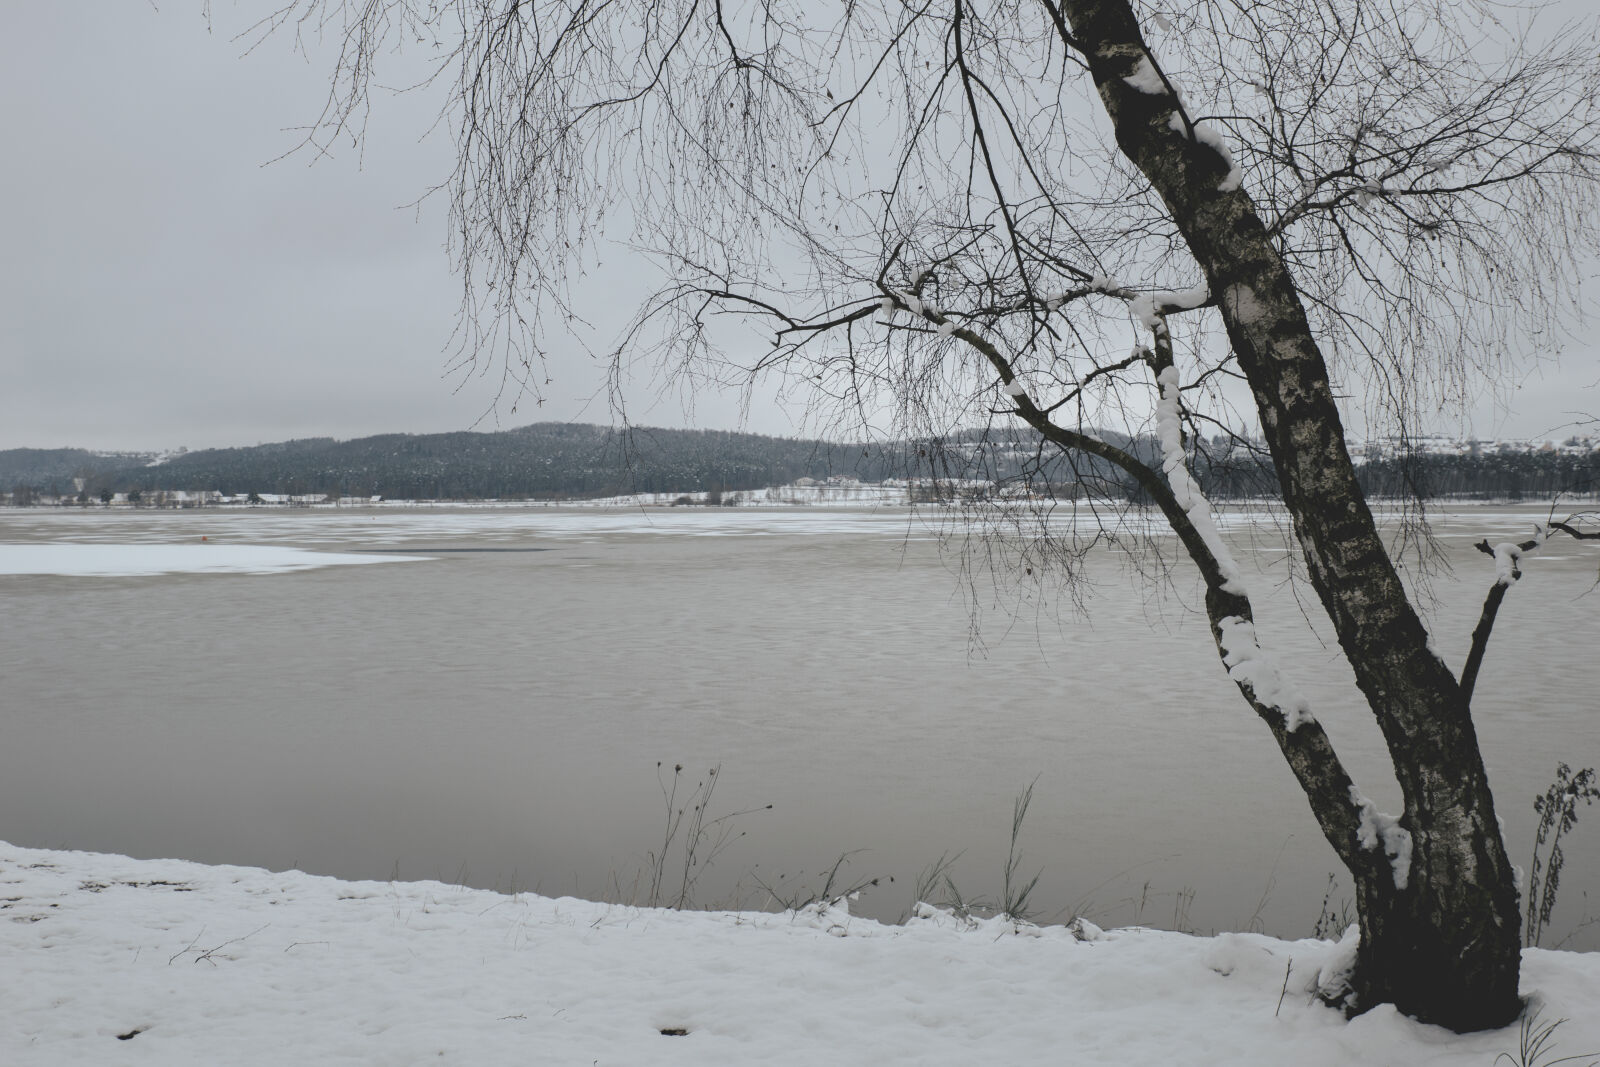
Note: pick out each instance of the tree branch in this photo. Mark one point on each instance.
(1302, 740)
(1506, 557)
(1480, 639)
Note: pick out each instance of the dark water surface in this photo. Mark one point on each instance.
(495, 715)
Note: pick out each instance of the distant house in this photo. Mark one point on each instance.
(292, 500)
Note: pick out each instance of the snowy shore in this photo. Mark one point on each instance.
(110, 960)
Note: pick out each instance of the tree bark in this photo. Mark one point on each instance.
(1445, 948)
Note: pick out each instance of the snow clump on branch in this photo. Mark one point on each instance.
(1211, 137)
(1249, 664)
(919, 306)
(1376, 828)
(1508, 554)
(1146, 78)
(1149, 307)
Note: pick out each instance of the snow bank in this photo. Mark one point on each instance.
(119, 961)
(93, 560)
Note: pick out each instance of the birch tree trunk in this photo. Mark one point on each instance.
(1444, 945)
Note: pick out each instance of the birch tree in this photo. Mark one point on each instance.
(1053, 216)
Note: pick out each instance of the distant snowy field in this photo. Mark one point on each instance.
(122, 560)
(111, 960)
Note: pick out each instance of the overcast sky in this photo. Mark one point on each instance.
(163, 285)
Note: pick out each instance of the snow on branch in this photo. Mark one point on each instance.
(1249, 664)
(1376, 829)
(1146, 78)
(1169, 433)
(1212, 138)
(1151, 308)
(1508, 554)
(920, 305)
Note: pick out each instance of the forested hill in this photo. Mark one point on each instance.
(52, 469)
(565, 460)
(550, 460)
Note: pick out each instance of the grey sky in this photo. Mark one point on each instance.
(161, 287)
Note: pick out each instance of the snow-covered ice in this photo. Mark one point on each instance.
(202, 557)
(111, 960)
(864, 509)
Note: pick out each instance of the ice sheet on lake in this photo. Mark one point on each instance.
(421, 527)
(91, 560)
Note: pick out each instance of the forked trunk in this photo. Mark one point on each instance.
(1435, 954)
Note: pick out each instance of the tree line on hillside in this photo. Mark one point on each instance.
(576, 461)
(545, 460)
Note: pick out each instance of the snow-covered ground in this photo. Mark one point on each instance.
(109, 960)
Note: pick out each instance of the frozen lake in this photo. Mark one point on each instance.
(493, 712)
